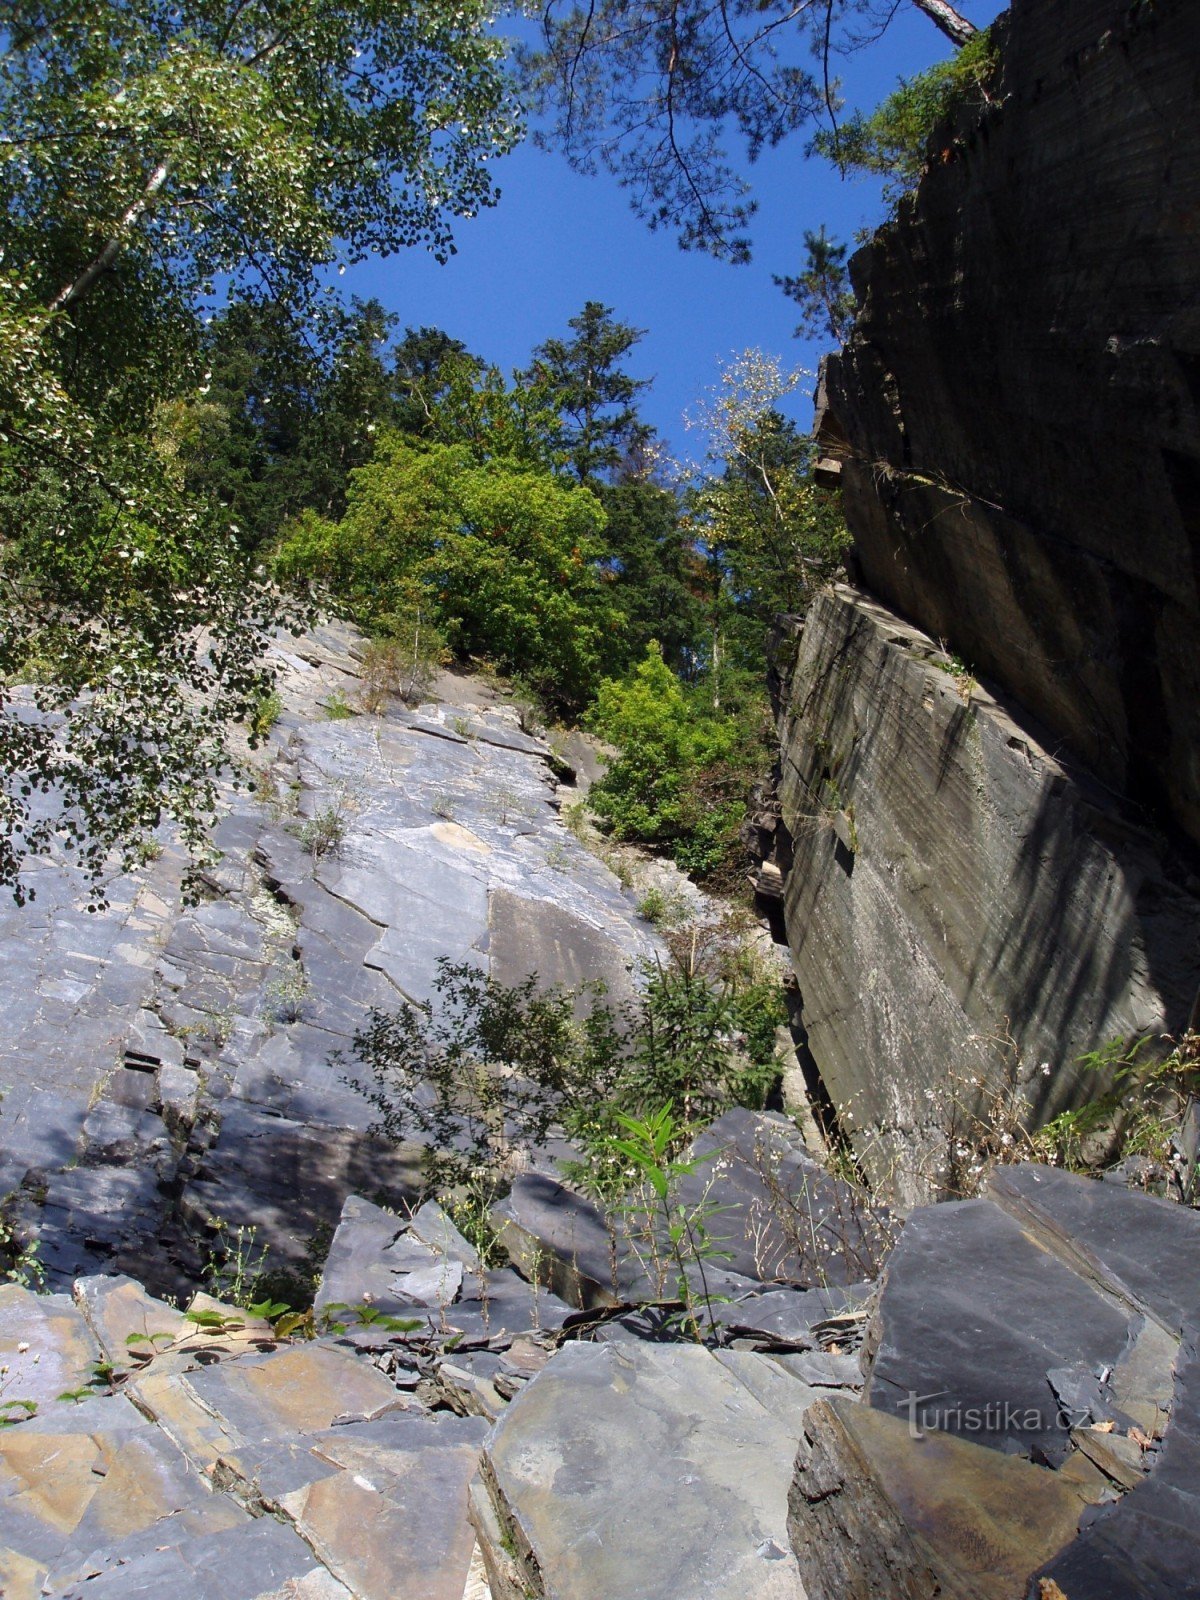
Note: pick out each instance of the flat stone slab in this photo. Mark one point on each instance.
(1131, 1244)
(972, 1316)
(391, 1522)
(1147, 1545)
(875, 1512)
(563, 1239)
(46, 1348)
(624, 1472)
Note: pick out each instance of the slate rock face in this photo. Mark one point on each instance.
(957, 897)
(971, 1317)
(621, 1473)
(1030, 1407)
(222, 1464)
(1017, 407)
(874, 1513)
(1139, 1246)
(171, 1072)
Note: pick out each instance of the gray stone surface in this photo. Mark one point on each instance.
(779, 1216)
(167, 1069)
(874, 1513)
(1018, 401)
(972, 1317)
(622, 1473)
(990, 905)
(1134, 1245)
(1147, 1545)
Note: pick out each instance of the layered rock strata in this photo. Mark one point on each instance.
(1017, 410)
(962, 903)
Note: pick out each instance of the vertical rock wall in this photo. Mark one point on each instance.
(961, 903)
(986, 877)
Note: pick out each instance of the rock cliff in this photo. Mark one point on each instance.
(1018, 406)
(990, 787)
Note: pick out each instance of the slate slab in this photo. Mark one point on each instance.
(563, 1239)
(874, 1512)
(625, 1472)
(780, 1215)
(391, 1522)
(1133, 1244)
(972, 1316)
(1147, 1546)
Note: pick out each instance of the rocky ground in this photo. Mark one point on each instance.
(993, 1398)
(166, 1067)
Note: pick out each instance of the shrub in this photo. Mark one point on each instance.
(684, 772)
(403, 662)
(495, 1068)
(264, 715)
(893, 140)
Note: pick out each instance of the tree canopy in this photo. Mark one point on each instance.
(648, 89)
(154, 156)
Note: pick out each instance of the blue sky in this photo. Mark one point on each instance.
(557, 239)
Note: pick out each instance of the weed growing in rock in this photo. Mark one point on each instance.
(508, 805)
(264, 714)
(660, 909)
(337, 708)
(235, 1264)
(286, 993)
(324, 833)
(18, 1256)
(672, 1237)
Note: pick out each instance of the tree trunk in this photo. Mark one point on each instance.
(75, 290)
(951, 22)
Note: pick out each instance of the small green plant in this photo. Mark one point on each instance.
(14, 1411)
(463, 727)
(324, 833)
(286, 993)
(19, 1257)
(337, 708)
(264, 714)
(443, 806)
(558, 857)
(404, 660)
(660, 909)
(575, 818)
(675, 1236)
(235, 1266)
(507, 805)
(215, 1026)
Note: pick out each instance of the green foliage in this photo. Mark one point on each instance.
(1148, 1085)
(651, 90)
(324, 833)
(149, 152)
(822, 289)
(336, 708)
(675, 1236)
(893, 141)
(494, 1068)
(264, 715)
(501, 557)
(403, 662)
(684, 771)
(19, 1260)
(582, 378)
(654, 574)
(491, 1064)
